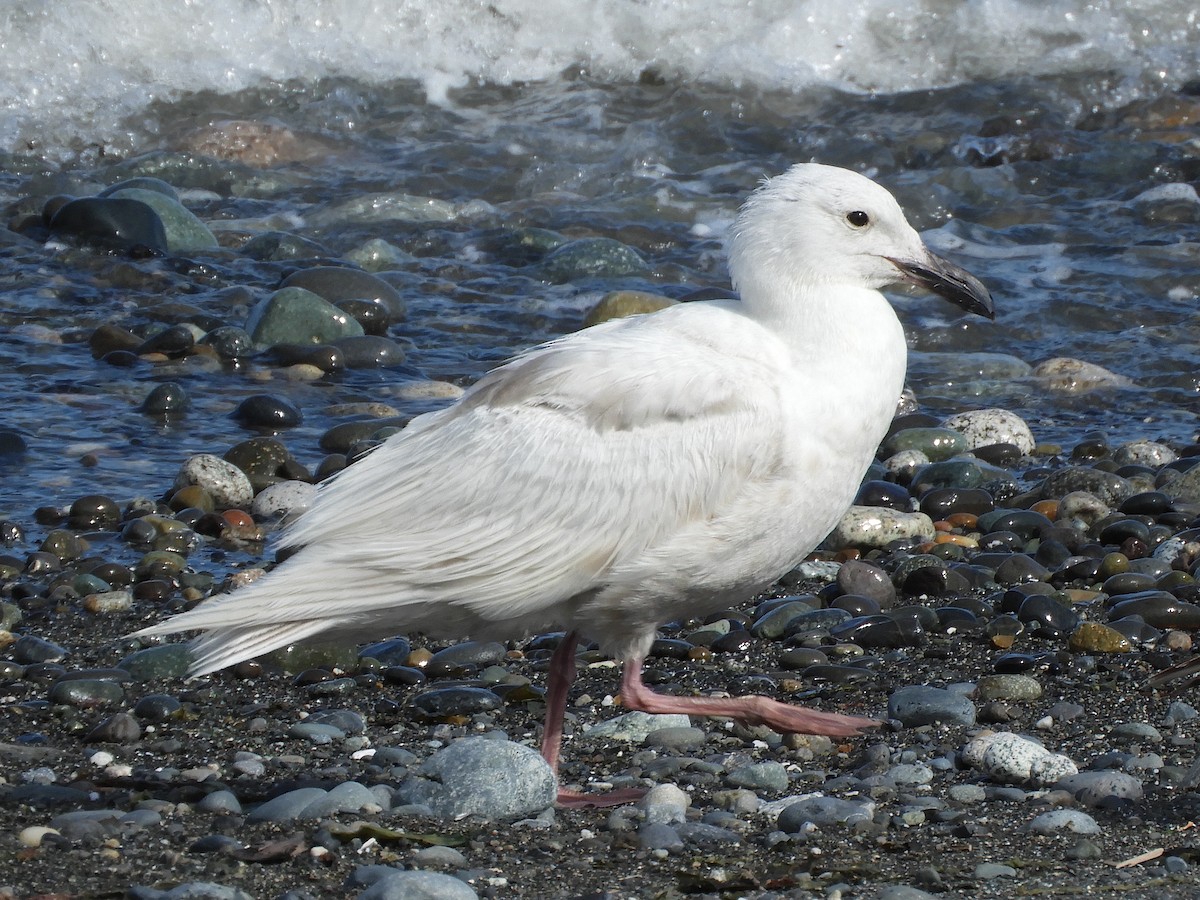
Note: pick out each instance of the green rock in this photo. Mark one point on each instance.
(936, 443)
(293, 315)
(299, 657)
(1008, 687)
(86, 693)
(153, 663)
(596, 257)
(185, 232)
(619, 304)
(337, 283)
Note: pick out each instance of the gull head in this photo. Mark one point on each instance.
(817, 227)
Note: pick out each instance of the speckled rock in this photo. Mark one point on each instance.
(983, 427)
(1013, 759)
(1060, 820)
(876, 527)
(225, 483)
(1075, 376)
(590, 258)
(283, 498)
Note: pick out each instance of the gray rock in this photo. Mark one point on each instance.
(659, 836)
(924, 705)
(418, 886)
(481, 776)
(1056, 820)
(286, 807)
(439, 858)
(824, 811)
(665, 804)
(766, 776)
(635, 726)
(676, 739)
(350, 796)
(1093, 788)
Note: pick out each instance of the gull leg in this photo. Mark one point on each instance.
(562, 675)
(750, 710)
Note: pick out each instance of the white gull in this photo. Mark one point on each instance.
(644, 470)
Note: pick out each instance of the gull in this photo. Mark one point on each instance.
(641, 471)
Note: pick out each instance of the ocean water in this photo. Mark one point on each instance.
(1051, 147)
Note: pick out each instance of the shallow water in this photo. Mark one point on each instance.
(1031, 182)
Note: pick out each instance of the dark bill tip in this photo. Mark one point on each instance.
(947, 280)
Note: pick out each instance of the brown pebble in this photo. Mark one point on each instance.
(1093, 637)
(1003, 641)
(1177, 640)
(1048, 508)
(419, 657)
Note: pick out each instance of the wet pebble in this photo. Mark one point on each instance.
(877, 527)
(293, 315)
(126, 225)
(267, 411)
(224, 482)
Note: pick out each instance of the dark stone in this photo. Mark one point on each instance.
(266, 411)
(128, 226)
(884, 493)
(94, 512)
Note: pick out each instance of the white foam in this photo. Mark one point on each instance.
(76, 69)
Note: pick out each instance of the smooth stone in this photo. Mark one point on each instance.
(166, 661)
(1046, 616)
(875, 527)
(940, 503)
(345, 720)
(1110, 489)
(816, 620)
(918, 705)
(495, 779)
(129, 226)
(867, 580)
(29, 648)
(267, 411)
(439, 858)
(94, 511)
(119, 728)
(1074, 376)
(775, 623)
(619, 304)
(824, 812)
(418, 885)
(453, 659)
(991, 871)
(338, 283)
(222, 802)
(278, 246)
(1084, 506)
(633, 727)
(1093, 788)
(884, 493)
(230, 342)
(185, 233)
(368, 351)
(984, 427)
(141, 182)
(350, 796)
(442, 702)
(768, 776)
(286, 807)
(1158, 609)
(878, 631)
(1019, 569)
(676, 739)
(293, 315)
(390, 652)
(156, 708)
(383, 206)
(86, 693)
(658, 836)
(1012, 759)
(325, 357)
(165, 400)
(1008, 687)
(665, 804)
(1027, 523)
(594, 257)
(950, 473)
(173, 342)
(284, 498)
(225, 483)
(936, 443)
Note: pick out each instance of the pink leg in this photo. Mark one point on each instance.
(750, 710)
(562, 674)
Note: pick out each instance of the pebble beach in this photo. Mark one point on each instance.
(212, 302)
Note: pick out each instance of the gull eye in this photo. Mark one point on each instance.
(858, 219)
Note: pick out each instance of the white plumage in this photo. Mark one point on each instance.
(636, 472)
